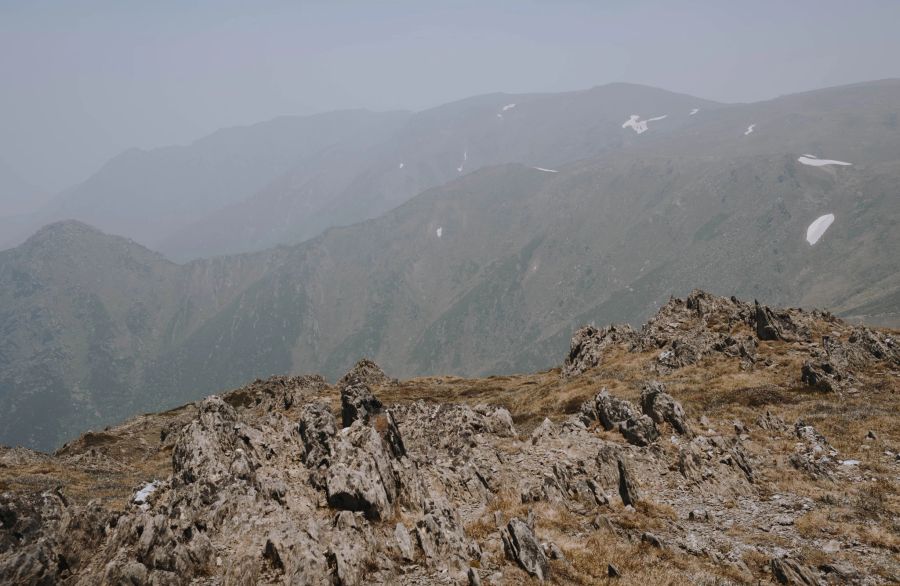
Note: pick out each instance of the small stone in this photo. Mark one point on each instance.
(474, 578)
(832, 546)
(612, 571)
(871, 435)
(698, 515)
(783, 520)
(651, 539)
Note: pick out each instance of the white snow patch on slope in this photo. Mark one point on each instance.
(814, 161)
(439, 231)
(640, 126)
(507, 107)
(463, 164)
(401, 166)
(694, 111)
(749, 129)
(140, 497)
(818, 227)
(546, 170)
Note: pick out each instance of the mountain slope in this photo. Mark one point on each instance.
(698, 449)
(431, 148)
(147, 194)
(489, 273)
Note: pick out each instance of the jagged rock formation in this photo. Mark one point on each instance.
(573, 480)
(365, 371)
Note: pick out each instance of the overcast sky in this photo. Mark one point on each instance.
(84, 80)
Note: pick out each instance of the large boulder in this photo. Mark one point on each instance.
(442, 538)
(361, 477)
(766, 324)
(613, 410)
(358, 402)
(521, 546)
(660, 406)
(639, 431)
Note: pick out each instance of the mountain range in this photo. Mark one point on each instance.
(286, 180)
(532, 220)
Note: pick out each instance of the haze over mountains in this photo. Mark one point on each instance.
(530, 220)
(17, 196)
(286, 180)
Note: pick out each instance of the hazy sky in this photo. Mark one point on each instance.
(84, 80)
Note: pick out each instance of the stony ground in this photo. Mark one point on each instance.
(723, 443)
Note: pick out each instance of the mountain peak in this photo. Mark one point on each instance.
(63, 229)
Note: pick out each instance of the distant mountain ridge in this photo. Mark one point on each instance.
(486, 274)
(288, 179)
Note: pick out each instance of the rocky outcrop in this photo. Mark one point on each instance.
(276, 484)
(317, 429)
(628, 489)
(813, 454)
(360, 476)
(793, 573)
(661, 407)
(44, 539)
(366, 372)
(521, 546)
(766, 328)
(588, 344)
(615, 413)
(358, 402)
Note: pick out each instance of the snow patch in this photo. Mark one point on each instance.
(439, 231)
(814, 161)
(401, 166)
(640, 126)
(507, 107)
(818, 227)
(546, 170)
(694, 111)
(749, 129)
(850, 463)
(143, 494)
(463, 164)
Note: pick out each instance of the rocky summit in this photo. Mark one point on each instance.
(724, 442)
